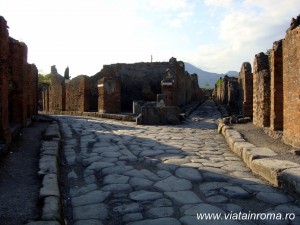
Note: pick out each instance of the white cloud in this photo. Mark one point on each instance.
(218, 3)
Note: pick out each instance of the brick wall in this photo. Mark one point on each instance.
(291, 84)
(261, 90)
(4, 52)
(77, 94)
(245, 80)
(276, 70)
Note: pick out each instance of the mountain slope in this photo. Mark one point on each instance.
(206, 79)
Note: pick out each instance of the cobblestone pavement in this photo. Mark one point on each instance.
(122, 173)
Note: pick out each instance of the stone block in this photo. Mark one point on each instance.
(160, 116)
(270, 169)
(239, 146)
(50, 186)
(51, 209)
(249, 154)
(290, 179)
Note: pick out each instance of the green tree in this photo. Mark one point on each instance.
(45, 79)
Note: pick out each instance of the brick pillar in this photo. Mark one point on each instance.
(5, 134)
(18, 62)
(109, 90)
(276, 116)
(291, 85)
(246, 85)
(261, 90)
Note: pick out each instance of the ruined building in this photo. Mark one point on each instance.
(117, 86)
(18, 85)
(271, 96)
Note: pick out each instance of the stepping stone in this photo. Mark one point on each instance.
(173, 183)
(144, 195)
(235, 192)
(164, 221)
(189, 173)
(92, 197)
(184, 197)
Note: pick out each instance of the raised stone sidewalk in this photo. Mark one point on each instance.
(49, 171)
(280, 173)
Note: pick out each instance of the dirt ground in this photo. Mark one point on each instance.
(19, 183)
(258, 137)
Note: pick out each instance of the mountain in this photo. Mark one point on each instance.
(206, 79)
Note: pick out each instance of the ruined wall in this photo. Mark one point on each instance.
(140, 81)
(261, 90)
(5, 134)
(18, 84)
(245, 80)
(57, 93)
(109, 89)
(227, 92)
(179, 86)
(77, 94)
(276, 70)
(291, 83)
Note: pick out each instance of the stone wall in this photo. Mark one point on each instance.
(276, 70)
(245, 80)
(179, 86)
(291, 83)
(77, 94)
(227, 92)
(18, 84)
(109, 95)
(57, 93)
(261, 90)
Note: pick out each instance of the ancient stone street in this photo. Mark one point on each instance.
(121, 173)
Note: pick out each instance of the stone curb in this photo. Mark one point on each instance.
(48, 170)
(280, 173)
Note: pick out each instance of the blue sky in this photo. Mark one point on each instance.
(214, 35)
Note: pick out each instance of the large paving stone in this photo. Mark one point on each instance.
(235, 192)
(274, 198)
(160, 212)
(128, 208)
(163, 221)
(115, 179)
(88, 222)
(92, 197)
(184, 197)
(144, 195)
(163, 202)
(93, 211)
(173, 184)
(117, 188)
(83, 190)
(98, 166)
(192, 210)
(209, 186)
(189, 173)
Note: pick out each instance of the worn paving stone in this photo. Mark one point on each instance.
(144, 195)
(184, 197)
(160, 212)
(115, 179)
(235, 192)
(92, 197)
(189, 173)
(93, 211)
(88, 222)
(173, 184)
(164, 221)
(273, 198)
(128, 208)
